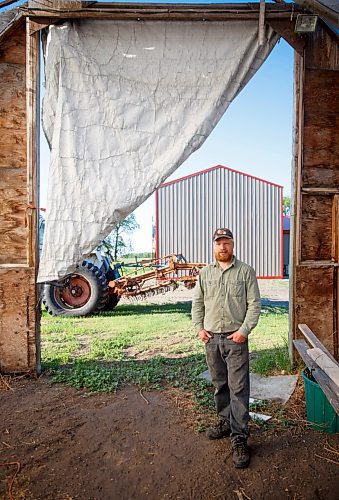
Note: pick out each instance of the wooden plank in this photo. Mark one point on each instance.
(314, 302)
(329, 388)
(12, 49)
(285, 28)
(336, 315)
(12, 265)
(12, 27)
(54, 4)
(296, 196)
(319, 263)
(261, 27)
(325, 191)
(19, 316)
(302, 347)
(335, 256)
(32, 102)
(322, 49)
(13, 174)
(335, 228)
(17, 320)
(321, 145)
(12, 102)
(327, 365)
(13, 199)
(13, 149)
(314, 341)
(316, 227)
(163, 12)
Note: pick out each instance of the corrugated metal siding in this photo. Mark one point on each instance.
(190, 209)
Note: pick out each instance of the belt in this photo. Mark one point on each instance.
(223, 333)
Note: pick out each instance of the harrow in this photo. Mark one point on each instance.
(165, 275)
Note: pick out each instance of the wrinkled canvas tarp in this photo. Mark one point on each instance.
(126, 103)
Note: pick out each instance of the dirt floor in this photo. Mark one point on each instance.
(59, 443)
(138, 445)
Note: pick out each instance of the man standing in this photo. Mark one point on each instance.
(226, 307)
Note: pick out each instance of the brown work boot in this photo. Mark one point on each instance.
(220, 431)
(241, 453)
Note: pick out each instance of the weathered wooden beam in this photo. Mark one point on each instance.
(314, 341)
(316, 264)
(17, 320)
(327, 191)
(327, 365)
(335, 228)
(298, 121)
(329, 388)
(32, 103)
(302, 347)
(13, 185)
(335, 257)
(54, 4)
(198, 12)
(261, 29)
(12, 26)
(285, 28)
(32, 209)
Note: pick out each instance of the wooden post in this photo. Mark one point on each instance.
(19, 316)
(33, 168)
(295, 190)
(335, 256)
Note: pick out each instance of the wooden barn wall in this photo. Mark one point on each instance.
(316, 189)
(18, 313)
(13, 157)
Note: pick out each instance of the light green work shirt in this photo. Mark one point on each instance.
(226, 301)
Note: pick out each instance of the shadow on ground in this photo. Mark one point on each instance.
(136, 309)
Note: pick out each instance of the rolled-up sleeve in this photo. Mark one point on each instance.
(198, 307)
(253, 304)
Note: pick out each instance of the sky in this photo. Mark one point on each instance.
(254, 136)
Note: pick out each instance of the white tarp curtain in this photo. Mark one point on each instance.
(125, 104)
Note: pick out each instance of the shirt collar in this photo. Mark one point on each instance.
(233, 263)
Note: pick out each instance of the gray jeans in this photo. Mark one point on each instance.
(228, 364)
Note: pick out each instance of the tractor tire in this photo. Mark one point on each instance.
(112, 302)
(79, 294)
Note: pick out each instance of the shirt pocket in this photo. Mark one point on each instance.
(236, 288)
(211, 288)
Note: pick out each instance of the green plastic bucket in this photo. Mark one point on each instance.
(319, 411)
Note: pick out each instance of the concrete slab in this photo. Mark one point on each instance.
(278, 388)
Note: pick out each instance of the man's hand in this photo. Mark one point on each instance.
(237, 337)
(204, 336)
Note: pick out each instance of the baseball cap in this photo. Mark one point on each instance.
(222, 232)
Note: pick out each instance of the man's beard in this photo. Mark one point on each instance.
(223, 256)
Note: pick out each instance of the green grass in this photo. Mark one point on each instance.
(268, 342)
(147, 345)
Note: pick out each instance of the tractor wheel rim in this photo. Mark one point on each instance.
(75, 294)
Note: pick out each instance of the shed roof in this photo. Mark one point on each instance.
(216, 167)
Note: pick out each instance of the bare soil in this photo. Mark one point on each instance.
(139, 445)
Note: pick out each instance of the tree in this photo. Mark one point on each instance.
(286, 205)
(116, 238)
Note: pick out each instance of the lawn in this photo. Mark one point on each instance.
(149, 345)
